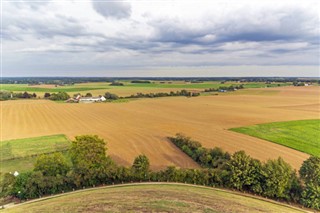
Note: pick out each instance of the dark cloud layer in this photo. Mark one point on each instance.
(112, 9)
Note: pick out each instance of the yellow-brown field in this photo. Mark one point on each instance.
(142, 126)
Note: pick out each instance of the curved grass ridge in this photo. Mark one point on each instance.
(155, 197)
(301, 135)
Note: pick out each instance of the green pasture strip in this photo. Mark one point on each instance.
(302, 135)
(19, 148)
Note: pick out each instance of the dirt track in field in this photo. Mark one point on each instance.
(142, 126)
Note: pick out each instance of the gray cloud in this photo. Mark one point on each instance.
(55, 36)
(118, 10)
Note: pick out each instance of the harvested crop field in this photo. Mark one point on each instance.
(142, 126)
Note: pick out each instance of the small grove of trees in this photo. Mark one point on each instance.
(110, 96)
(116, 84)
(60, 96)
(298, 84)
(6, 95)
(90, 166)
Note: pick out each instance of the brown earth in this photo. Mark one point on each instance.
(142, 126)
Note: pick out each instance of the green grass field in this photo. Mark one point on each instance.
(20, 154)
(302, 135)
(152, 198)
(25, 87)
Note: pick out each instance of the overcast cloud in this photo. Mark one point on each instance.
(160, 38)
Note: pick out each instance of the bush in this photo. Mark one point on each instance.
(52, 164)
(110, 96)
(60, 96)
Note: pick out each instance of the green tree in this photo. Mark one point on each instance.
(88, 156)
(277, 176)
(244, 172)
(6, 184)
(88, 94)
(47, 95)
(310, 170)
(52, 164)
(311, 196)
(60, 96)
(141, 166)
(111, 96)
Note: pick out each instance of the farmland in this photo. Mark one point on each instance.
(301, 135)
(99, 88)
(142, 126)
(153, 198)
(19, 155)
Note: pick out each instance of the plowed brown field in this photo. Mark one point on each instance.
(142, 126)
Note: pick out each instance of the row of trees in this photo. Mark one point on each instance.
(141, 82)
(6, 95)
(165, 94)
(87, 165)
(273, 179)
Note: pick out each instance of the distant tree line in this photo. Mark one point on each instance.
(116, 84)
(165, 94)
(73, 80)
(90, 166)
(225, 88)
(140, 82)
(6, 95)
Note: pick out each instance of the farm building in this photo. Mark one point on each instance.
(80, 99)
(92, 99)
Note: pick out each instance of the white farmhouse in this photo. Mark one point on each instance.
(92, 99)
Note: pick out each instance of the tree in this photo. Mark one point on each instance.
(111, 96)
(88, 94)
(26, 95)
(47, 95)
(52, 164)
(6, 184)
(311, 196)
(141, 166)
(277, 176)
(310, 170)
(88, 156)
(60, 96)
(244, 172)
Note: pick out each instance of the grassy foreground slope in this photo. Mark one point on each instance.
(19, 155)
(302, 135)
(152, 198)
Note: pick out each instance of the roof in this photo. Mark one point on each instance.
(90, 98)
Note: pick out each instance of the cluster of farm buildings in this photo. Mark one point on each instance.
(80, 99)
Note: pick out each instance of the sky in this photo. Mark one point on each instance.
(160, 38)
